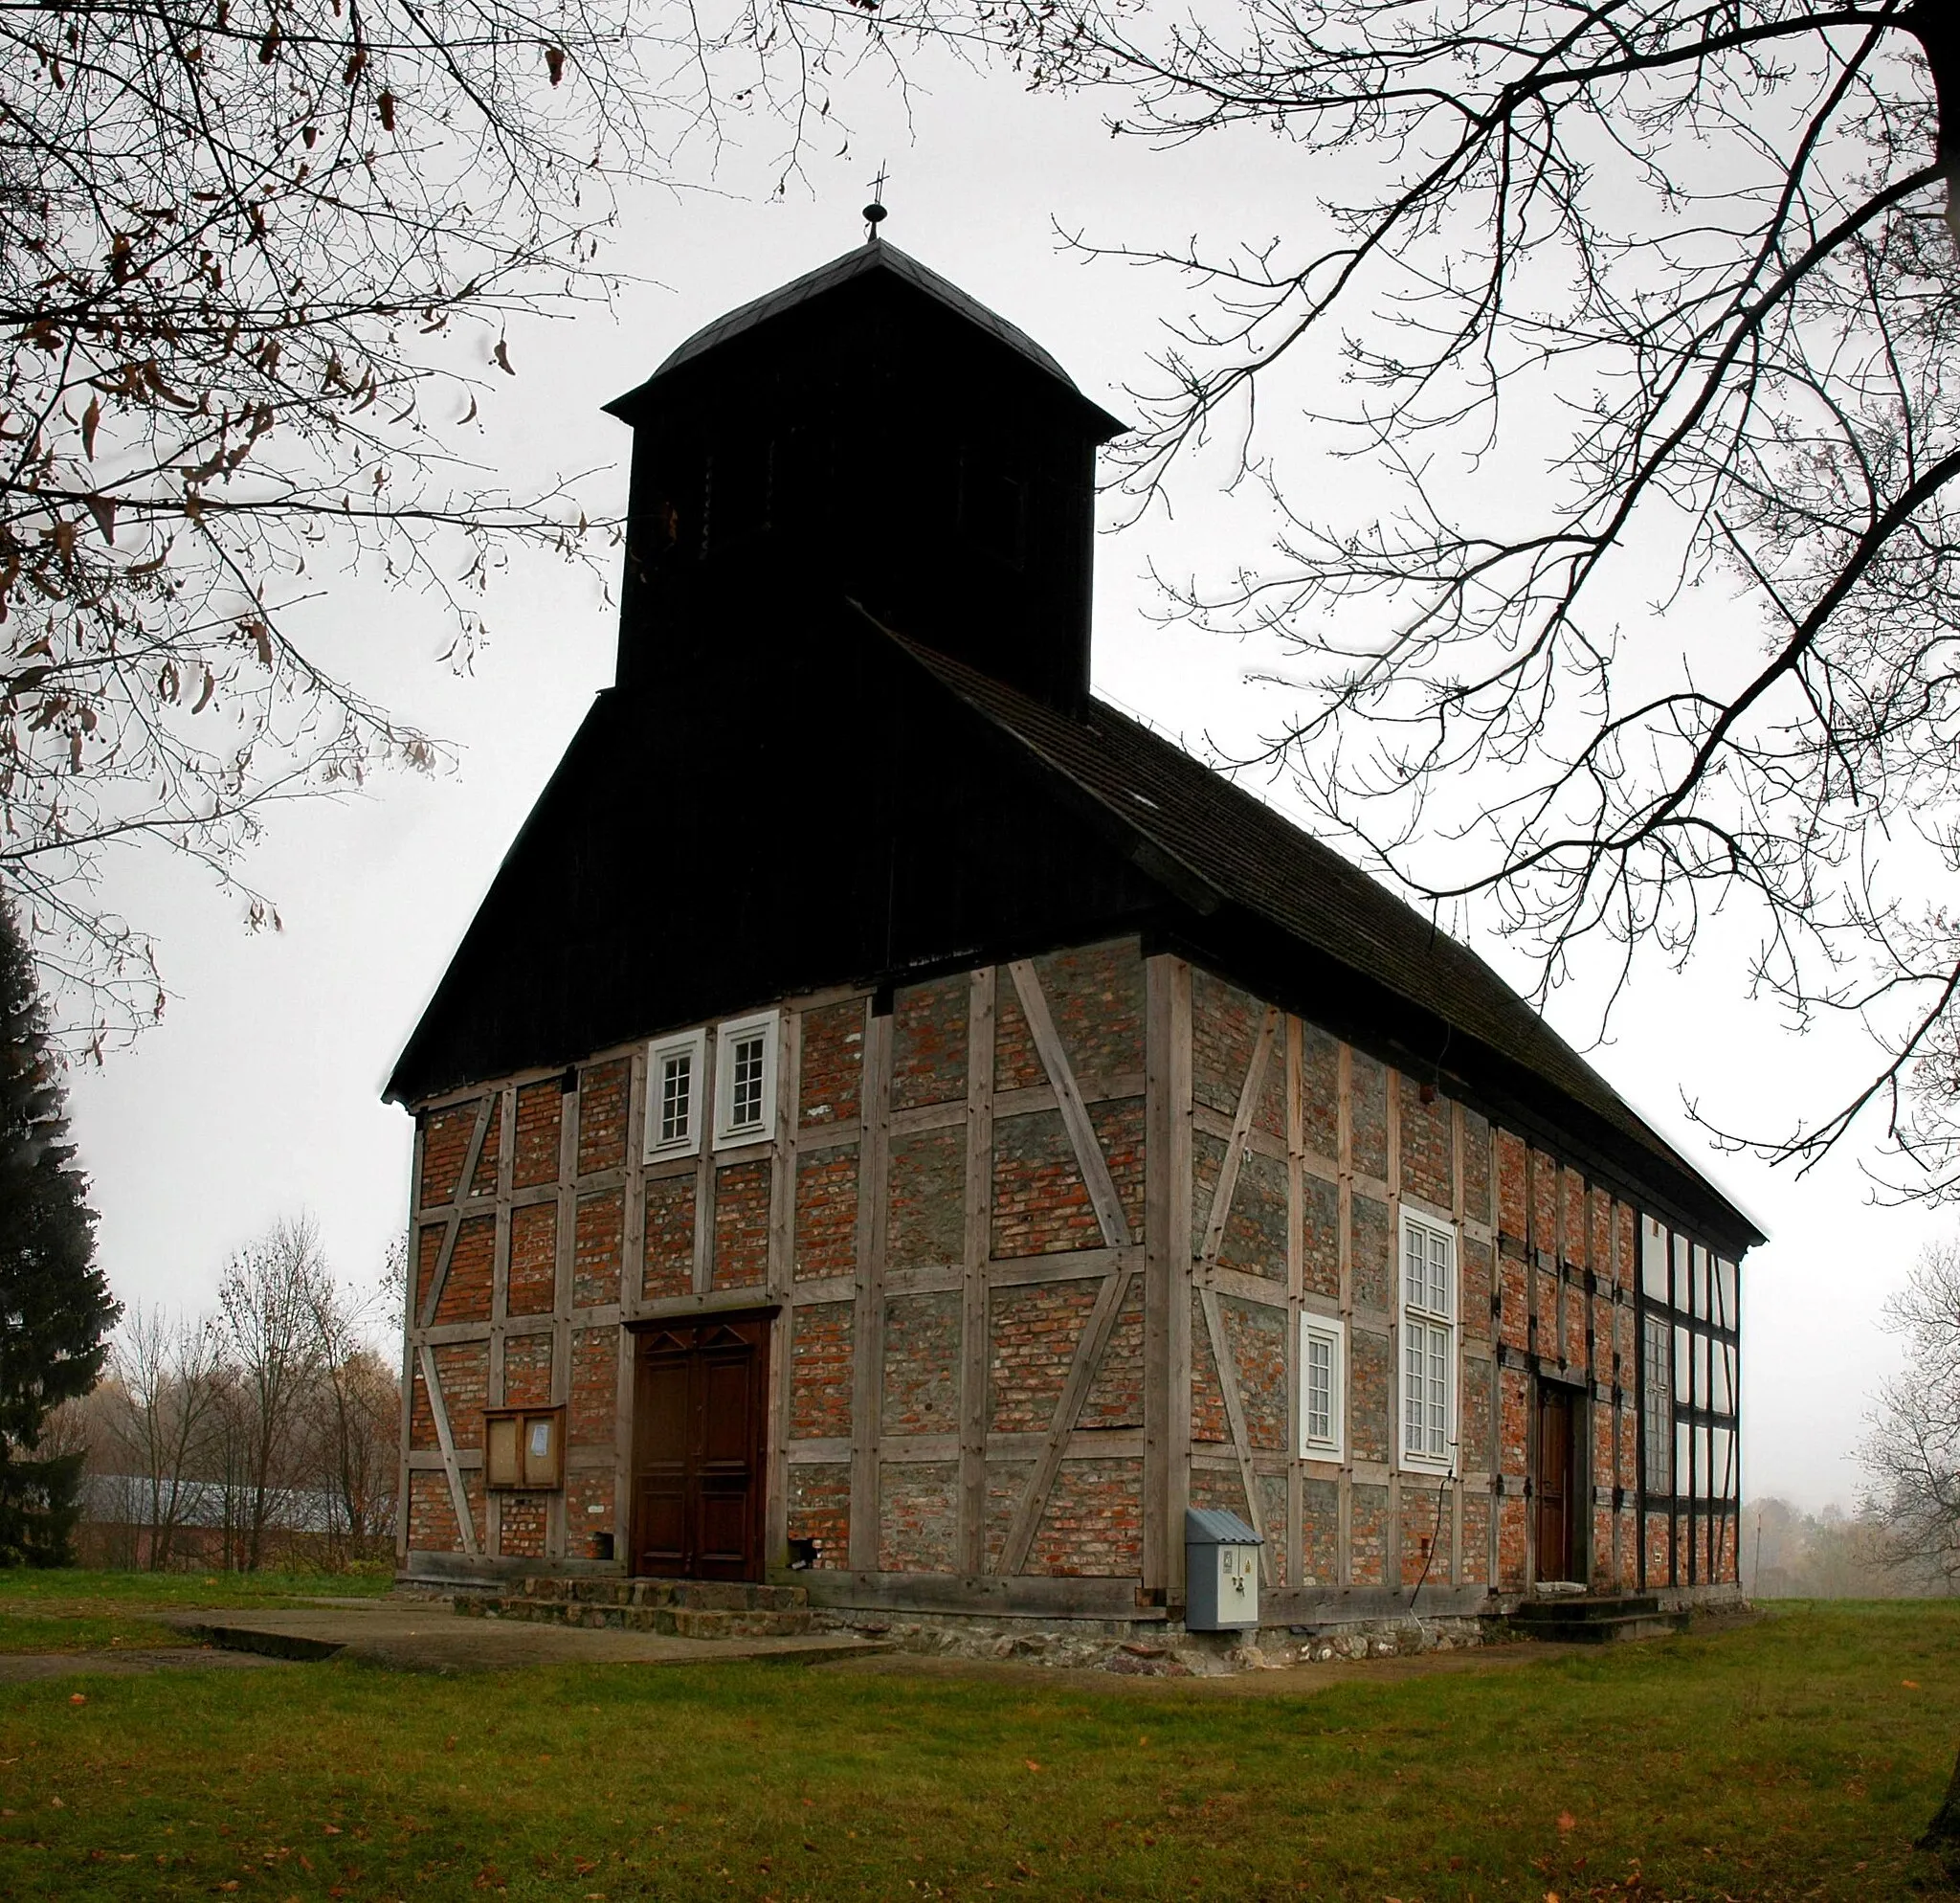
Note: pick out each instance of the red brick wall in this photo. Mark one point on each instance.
(1320, 1092)
(1224, 1030)
(1116, 1395)
(1095, 998)
(591, 1416)
(827, 1213)
(820, 1511)
(598, 1243)
(527, 1370)
(1093, 1524)
(533, 1287)
(667, 1248)
(484, 1181)
(1209, 1421)
(535, 1160)
(1032, 1336)
(445, 1141)
(741, 1226)
(523, 1525)
(929, 1043)
(926, 1223)
(820, 1376)
(1040, 1203)
(922, 1365)
(1255, 1338)
(1428, 1141)
(602, 1090)
(467, 1292)
(918, 1515)
(833, 1062)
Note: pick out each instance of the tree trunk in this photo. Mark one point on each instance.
(1943, 1834)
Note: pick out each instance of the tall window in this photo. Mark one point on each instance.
(1323, 1383)
(1656, 1396)
(1429, 1345)
(674, 1080)
(745, 1078)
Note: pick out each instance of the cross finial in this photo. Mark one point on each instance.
(875, 212)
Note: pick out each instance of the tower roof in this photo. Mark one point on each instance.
(873, 257)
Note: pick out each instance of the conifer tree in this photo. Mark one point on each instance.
(55, 1308)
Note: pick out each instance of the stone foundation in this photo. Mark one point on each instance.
(1147, 1649)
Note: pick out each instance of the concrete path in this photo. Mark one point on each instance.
(430, 1637)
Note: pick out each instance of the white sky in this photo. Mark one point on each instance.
(259, 1095)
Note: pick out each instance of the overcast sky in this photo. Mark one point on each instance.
(259, 1094)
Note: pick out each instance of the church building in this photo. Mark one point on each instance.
(899, 1126)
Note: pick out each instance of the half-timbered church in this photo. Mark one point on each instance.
(899, 1126)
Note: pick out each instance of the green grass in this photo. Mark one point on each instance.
(69, 1609)
(1788, 1760)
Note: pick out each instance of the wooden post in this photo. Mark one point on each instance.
(867, 1332)
(1167, 1271)
(976, 1244)
(782, 1288)
(561, 1294)
(1296, 1303)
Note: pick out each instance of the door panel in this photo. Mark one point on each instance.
(1554, 1482)
(698, 1440)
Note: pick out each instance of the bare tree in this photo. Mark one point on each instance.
(257, 261)
(269, 1300)
(355, 1411)
(168, 1388)
(1682, 280)
(1913, 1449)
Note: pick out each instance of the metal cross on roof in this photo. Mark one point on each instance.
(874, 213)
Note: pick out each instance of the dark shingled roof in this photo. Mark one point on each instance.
(1223, 839)
(874, 256)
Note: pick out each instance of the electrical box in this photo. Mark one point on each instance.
(1221, 1572)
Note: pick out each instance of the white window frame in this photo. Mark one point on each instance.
(1428, 1319)
(1333, 1331)
(727, 1036)
(693, 1045)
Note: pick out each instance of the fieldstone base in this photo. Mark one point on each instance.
(1158, 1649)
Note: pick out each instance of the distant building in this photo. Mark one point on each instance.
(896, 1114)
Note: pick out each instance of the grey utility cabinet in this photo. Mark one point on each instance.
(1221, 1572)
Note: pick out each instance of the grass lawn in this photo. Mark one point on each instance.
(68, 1609)
(1794, 1758)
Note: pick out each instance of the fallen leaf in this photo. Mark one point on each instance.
(1910, 1684)
(78, 1699)
(1031, 1765)
(1567, 1821)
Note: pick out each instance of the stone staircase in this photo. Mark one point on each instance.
(1595, 1621)
(678, 1608)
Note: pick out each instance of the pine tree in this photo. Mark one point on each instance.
(55, 1308)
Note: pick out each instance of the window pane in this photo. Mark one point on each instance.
(1653, 1260)
(744, 1105)
(1412, 1389)
(1724, 1277)
(1683, 1294)
(1722, 1464)
(1683, 1455)
(1440, 1274)
(1703, 1387)
(1413, 1268)
(1701, 1282)
(1702, 1470)
(1319, 1388)
(1684, 1368)
(1721, 1396)
(677, 1096)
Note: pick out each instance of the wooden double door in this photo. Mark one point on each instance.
(699, 1438)
(1555, 1484)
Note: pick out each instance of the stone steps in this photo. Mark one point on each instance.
(1611, 1620)
(675, 1608)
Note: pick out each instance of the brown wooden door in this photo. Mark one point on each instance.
(1554, 1482)
(699, 1432)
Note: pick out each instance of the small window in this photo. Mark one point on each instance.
(1323, 1384)
(675, 1068)
(1654, 1261)
(1429, 1345)
(745, 1078)
(524, 1447)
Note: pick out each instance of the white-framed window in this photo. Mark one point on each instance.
(745, 1078)
(1323, 1387)
(677, 1068)
(1429, 1346)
